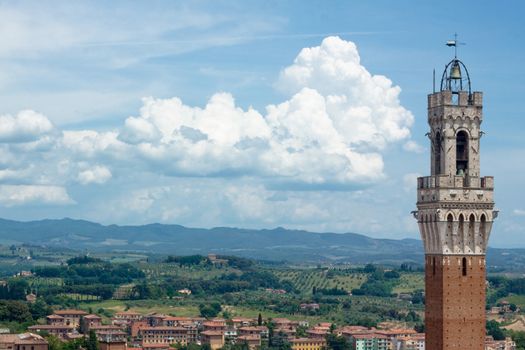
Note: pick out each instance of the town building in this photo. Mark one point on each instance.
(253, 341)
(57, 330)
(164, 335)
(24, 341)
(307, 344)
(309, 306)
(215, 339)
(128, 316)
(243, 322)
(410, 342)
(71, 317)
(89, 321)
(506, 344)
(455, 211)
(370, 341)
(260, 331)
(214, 325)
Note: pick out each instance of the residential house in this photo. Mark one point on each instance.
(215, 339)
(71, 317)
(507, 344)
(24, 341)
(164, 335)
(410, 342)
(307, 344)
(252, 340)
(57, 330)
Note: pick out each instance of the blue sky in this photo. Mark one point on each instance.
(208, 113)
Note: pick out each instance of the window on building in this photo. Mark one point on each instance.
(437, 154)
(483, 227)
(461, 153)
(464, 266)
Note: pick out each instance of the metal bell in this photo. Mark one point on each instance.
(455, 72)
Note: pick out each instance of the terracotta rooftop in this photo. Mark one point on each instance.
(212, 333)
(155, 346)
(176, 318)
(163, 328)
(249, 337)
(54, 316)
(70, 312)
(92, 316)
(309, 340)
(50, 326)
(22, 339)
(254, 328)
(131, 313)
(396, 331)
(370, 336)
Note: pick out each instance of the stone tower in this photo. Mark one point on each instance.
(455, 213)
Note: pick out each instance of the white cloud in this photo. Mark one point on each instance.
(14, 195)
(410, 181)
(364, 108)
(412, 146)
(518, 212)
(330, 132)
(97, 174)
(26, 126)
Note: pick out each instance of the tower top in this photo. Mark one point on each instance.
(455, 77)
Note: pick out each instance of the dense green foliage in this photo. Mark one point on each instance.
(14, 289)
(379, 283)
(493, 329)
(187, 260)
(88, 276)
(210, 310)
(335, 342)
(504, 286)
(23, 312)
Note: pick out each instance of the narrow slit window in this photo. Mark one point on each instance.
(464, 266)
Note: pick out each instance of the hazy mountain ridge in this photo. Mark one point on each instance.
(269, 244)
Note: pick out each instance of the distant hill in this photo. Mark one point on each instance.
(276, 244)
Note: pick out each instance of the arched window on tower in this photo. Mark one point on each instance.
(483, 229)
(471, 227)
(464, 266)
(448, 238)
(461, 231)
(461, 153)
(437, 154)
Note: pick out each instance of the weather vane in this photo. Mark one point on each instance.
(455, 43)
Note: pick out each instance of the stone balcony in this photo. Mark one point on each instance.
(446, 181)
(455, 189)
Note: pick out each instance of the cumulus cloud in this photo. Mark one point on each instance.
(409, 182)
(364, 108)
(331, 130)
(26, 126)
(412, 146)
(518, 212)
(13, 195)
(97, 174)
(329, 133)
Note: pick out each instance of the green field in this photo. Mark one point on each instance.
(190, 272)
(410, 282)
(305, 280)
